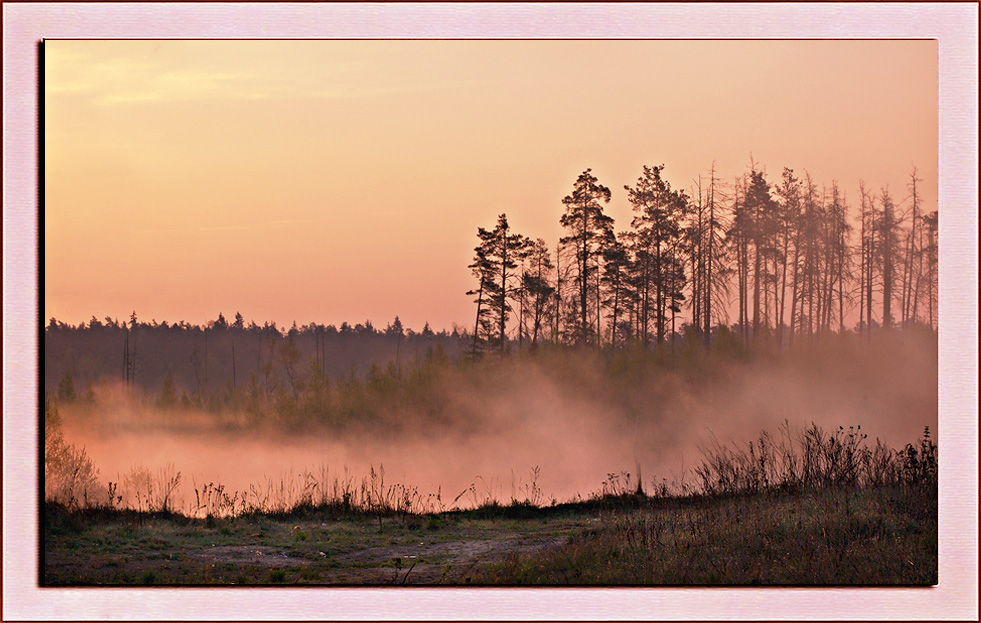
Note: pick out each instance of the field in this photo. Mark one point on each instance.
(883, 536)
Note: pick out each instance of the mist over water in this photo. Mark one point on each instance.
(570, 416)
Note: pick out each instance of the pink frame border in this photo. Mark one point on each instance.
(953, 25)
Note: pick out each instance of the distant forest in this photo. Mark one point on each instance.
(215, 362)
(791, 261)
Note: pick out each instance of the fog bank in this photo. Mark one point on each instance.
(578, 419)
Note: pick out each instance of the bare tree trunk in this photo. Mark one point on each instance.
(659, 291)
(783, 282)
(931, 265)
(126, 355)
(919, 275)
(502, 304)
(756, 290)
(711, 259)
(599, 306)
(913, 252)
(870, 263)
(795, 289)
(521, 315)
(558, 290)
(476, 327)
(674, 286)
(646, 302)
(842, 251)
(206, 359)
(863, 246)
(888, 225)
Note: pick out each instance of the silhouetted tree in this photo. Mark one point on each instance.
(289, 356)
(66, 388)
(588, 230)
(789, 214)
(931, 225)
(706, 246)
(739, 237)
(660, 212)
(809, 240)
(888, 247)
(537, 287)
(395, 328)
(760, 229)
(484, 270)
(168, 393)
(838, 262)
(616, 265)
(495, 266)
(867, 261)
(913, 261)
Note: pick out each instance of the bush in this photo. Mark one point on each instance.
(70, 477)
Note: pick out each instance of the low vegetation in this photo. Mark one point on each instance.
(884, 536)
(813, 507)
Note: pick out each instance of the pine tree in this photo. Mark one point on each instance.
(495, 265)
(537, 287)
(484, 269)
(589, 229)
(660, 212)
(616, 265)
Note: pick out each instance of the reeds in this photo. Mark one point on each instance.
(814, 459)
(292, 493)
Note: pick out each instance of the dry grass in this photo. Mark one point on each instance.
(814, 459)
(885, 536)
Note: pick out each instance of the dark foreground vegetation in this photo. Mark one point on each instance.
(885, 536)
(818, 508)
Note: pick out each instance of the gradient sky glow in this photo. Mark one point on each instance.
(331, 181)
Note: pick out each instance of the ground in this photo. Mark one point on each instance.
(884, 536)
(358, 550)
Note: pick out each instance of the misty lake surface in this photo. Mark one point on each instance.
(469, 470)
(580, 435)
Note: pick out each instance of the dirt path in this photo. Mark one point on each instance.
(448, 562)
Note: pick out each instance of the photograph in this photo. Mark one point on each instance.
(634, 311)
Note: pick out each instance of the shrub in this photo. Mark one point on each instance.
(70, 477)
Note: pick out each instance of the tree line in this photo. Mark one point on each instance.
(787, 257)
(223, 364)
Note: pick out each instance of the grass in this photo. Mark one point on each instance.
(880, 536)
(830, 537)
(123, 548)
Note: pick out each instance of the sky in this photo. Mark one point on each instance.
(344, 180)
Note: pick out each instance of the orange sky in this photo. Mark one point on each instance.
(335, 181)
